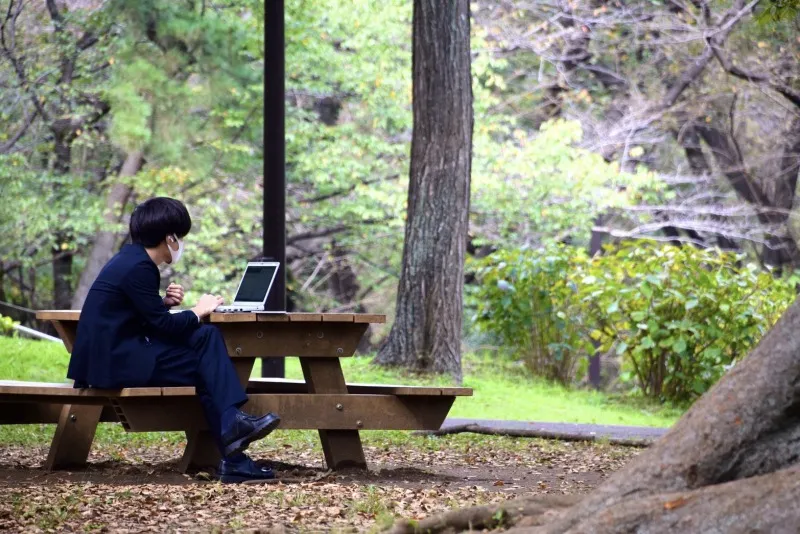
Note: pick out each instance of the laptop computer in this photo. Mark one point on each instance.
(254, 288)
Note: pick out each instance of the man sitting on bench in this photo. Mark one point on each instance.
(127, 337)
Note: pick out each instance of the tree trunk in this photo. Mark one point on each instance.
(781, 249)
(426, 334)
(105, 240)
(689, 140)
(344, 288)
(728, 465)
(60, 253)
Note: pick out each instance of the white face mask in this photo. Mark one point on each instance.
(175, 254)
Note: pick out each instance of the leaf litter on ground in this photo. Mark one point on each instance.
(135, 489)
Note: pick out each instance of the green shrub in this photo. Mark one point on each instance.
(680, 315)
(526, 302)
(7, 326)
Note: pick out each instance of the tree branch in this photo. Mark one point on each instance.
(783, 89)
(325, 232)
(347, 190)
(713, 40)
(9, 24)
(8, 145)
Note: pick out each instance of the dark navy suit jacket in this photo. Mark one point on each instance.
(121, 317)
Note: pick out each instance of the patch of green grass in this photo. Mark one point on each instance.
(504, 391)
(501, 391)
(36, 361)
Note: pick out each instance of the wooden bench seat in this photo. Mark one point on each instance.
(283, 385)
(149, 409)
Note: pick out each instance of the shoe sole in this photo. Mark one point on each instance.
(242, 444)
(241, 479)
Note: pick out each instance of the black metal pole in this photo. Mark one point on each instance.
(274, 163)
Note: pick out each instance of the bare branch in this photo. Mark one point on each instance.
(346, 190)
(8, 43)
(325, 232)
(26, 123)
(778, 86)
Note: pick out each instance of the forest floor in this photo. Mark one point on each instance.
(135, 486)
(132, 482)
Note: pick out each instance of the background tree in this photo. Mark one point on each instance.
(426, 334)
(653, 86)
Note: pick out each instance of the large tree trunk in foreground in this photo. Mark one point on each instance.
(105, 241)
(730, 464)
(426, 335)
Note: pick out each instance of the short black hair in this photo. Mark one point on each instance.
(155, 219)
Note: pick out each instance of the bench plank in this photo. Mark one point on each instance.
(284, 385)
(41, 413)
(369, 318)
(338, 318)
(68, 393)
(340, 414)
(305, 317)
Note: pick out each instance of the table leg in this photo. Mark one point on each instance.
(72, 441)
(66, 331)
(201, 451)
(342, 448)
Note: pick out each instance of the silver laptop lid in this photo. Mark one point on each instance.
(256, 283)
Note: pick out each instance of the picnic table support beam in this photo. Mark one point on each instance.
(72, 441)
(342, 448)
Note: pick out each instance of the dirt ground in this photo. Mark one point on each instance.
(138, 489)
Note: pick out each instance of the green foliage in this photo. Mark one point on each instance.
(35, 203)
(775, 10)
(679, 316)
(535, 189)
(7, 325)
(527, 302)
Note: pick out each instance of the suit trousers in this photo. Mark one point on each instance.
(203, 363)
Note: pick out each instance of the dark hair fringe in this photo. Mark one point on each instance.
(155, 219)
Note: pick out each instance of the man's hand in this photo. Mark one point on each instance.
(174, 295)
(206, 305)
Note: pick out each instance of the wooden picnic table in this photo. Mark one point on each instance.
(323, 401)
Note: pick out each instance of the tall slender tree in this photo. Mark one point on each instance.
(426, 334)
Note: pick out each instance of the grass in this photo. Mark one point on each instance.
(501, 391)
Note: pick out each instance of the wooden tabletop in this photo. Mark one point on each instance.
(74, 315)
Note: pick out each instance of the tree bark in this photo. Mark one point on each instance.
(730, 464)
(762, 504)
(60, 253)
(426, 334)
(689, 140)
(106, 239)
(781, 249)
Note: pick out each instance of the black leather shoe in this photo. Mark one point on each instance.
(244, 470)
(246, 429)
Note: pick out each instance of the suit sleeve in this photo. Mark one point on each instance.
(141, 286)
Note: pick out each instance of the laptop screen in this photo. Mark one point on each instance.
(255, 283)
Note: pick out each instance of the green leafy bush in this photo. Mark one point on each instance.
(7, 326)
(526, 302)
(680, 315)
